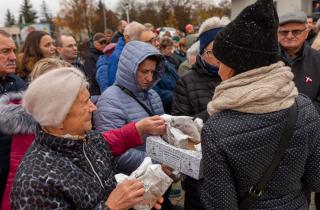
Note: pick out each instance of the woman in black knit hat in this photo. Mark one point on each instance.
(255, 154)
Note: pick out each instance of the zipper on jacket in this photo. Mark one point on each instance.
(94, 171)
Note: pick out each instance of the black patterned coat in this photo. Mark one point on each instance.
(60, 173)
(238, 148)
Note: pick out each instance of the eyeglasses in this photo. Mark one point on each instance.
(208, 52)
(294, 33)
(103, 42)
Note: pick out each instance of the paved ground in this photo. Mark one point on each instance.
(180, 200)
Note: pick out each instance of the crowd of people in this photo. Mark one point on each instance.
(68, 125)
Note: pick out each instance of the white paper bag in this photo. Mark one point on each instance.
(155, 181)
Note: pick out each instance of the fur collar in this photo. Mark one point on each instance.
(14, 119)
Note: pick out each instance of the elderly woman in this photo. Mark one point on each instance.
(68, 166)
(262, 135)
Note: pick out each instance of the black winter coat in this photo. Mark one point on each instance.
(306, 70)
(90, 70)
(238, 148)
(191, 96)
(8, 84)
(194, 91)
(59, 173)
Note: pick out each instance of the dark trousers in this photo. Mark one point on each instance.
(317, 200)
(192, 194)
(5, 144)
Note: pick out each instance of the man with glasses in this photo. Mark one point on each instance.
(304, 61)
(92, 55)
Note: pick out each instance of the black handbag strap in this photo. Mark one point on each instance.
(128, 92)
(256, 191)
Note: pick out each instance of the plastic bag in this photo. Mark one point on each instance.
(155, 181)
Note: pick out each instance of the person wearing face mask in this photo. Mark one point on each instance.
(195, 89)
(38, 45)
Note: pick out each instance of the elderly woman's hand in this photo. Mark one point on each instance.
(126, 195)
(154, 125)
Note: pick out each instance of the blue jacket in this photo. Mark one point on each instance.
(107, 66)
(166, 86)
(115, 108)
(238, 148)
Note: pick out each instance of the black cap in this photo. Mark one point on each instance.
(250, 41)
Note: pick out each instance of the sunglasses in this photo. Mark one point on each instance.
(294, 33)
(103, 42)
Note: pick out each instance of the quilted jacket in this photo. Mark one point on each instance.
(238, 147)
(115, 108)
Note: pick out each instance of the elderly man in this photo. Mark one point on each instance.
(295, 52)
(9, 84)
(120, 33)
(107, 65)
(93, 53)
(68, 50)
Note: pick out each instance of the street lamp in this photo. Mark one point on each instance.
(125, 5)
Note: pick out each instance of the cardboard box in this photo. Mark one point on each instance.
(185, 161)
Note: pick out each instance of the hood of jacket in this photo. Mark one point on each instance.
(14, 120)
(134, 53)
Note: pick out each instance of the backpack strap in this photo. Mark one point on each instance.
(128, 92)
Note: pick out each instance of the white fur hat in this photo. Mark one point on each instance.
(213, 22)
(49, 97)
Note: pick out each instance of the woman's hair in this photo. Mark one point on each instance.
(30, 53)
(47, 64)
(165, 42)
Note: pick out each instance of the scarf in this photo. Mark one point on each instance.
(258, 91)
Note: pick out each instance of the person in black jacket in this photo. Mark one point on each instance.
(195, 89)
(303, 60)
(249, 112)
(92, 55)
(9, 83)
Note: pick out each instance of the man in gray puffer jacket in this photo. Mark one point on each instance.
(139, 68)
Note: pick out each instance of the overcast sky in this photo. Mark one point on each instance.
(14, 7)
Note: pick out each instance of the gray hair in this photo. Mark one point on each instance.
(194, 49)
(133, 30)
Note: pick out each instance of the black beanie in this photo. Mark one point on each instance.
(250, 41)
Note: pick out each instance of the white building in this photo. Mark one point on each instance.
(283, 6)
